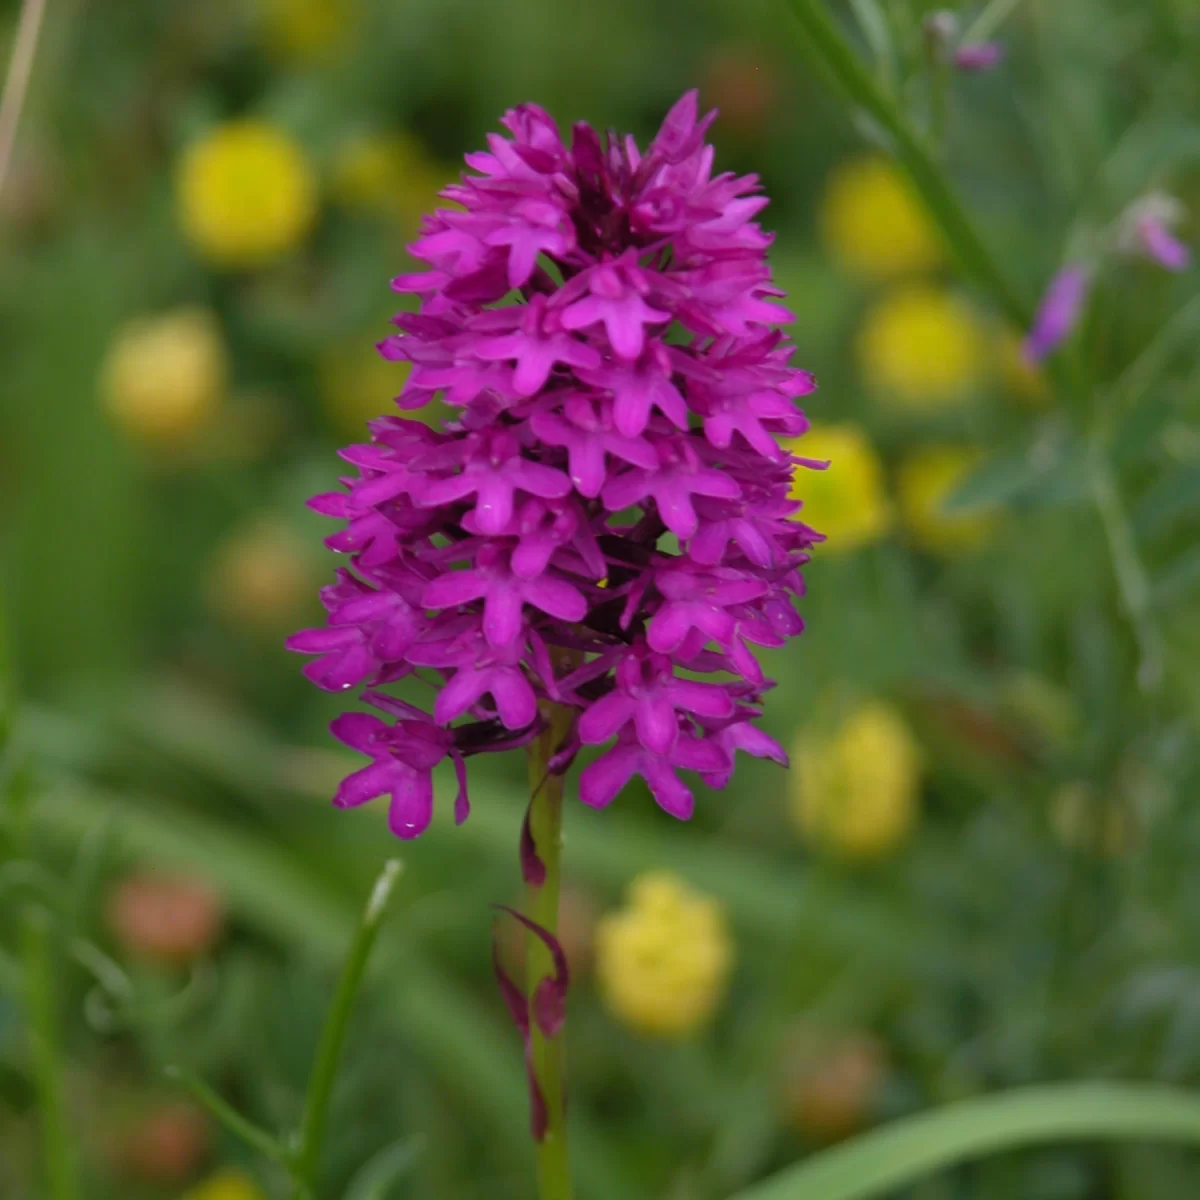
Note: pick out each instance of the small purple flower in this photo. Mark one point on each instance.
(1059, 311)
(978, 56)
(1147, 230)
(607, 521)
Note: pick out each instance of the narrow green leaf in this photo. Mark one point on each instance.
(1174, 495)
(899, 1154)
(374, 1181)
(241, 1127)
(874, 25)
(1045, 470)
(1178, 579)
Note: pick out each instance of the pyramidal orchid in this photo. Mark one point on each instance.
(591, 551)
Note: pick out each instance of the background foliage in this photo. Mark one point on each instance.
(983, 882)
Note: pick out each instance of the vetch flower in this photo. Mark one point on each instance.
(1147, 229)
(854, 790)
(1058, 311)
(978, 56)
(663, 962)
(606, 519)
(246, 194)
(261, 576)
(307, 31)
(923, 484)
(164, 377)
(873, 221)
(921, 348)
(226, 1184)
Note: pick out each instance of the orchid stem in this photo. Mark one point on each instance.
(541, 906)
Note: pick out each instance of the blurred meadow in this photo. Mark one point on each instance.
(978, 872)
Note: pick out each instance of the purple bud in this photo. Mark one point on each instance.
(1059, 311)
(979, 56)
(1147, 230)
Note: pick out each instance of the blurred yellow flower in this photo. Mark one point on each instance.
(261, 576)
(921, 347)
(923, 484)
(246, 193)
(663, 961)
(873, 222)
(388, 174)
(227, 1184)
(1024, 379)
(306, 30)
(854, 791)
(358, 384)
(163, 378)
(846, 502)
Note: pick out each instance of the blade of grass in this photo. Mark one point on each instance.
(895, 1156)
(333, 1036)
(241, 1127)
(41, 1007)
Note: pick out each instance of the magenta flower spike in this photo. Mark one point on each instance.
(607, 515)
(589, 553)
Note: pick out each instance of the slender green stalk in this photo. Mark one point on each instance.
(988, 21)
(1132, 583)
(241, 1127)
(41, 1007)
(320, 1084)
(959, 232)
(29, 28)
(541, 905)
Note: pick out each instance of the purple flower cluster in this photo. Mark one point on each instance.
(607, 518)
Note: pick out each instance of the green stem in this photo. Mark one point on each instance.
(961, 237)
(1132, 583)
(29, 27)
(541, 906)
(988, 21)
(320, 1084)
(250, 1133)
(41, 1005)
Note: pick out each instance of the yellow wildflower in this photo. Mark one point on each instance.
(246, 193)
(921, 348)
(261, 576)
(163, 377)
(306, 30)
(358, 384)
(664, 960)
(387, 174)
(846, 502)
(874, 223)
(924, 483)
(227, 1184)
(854, 792)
